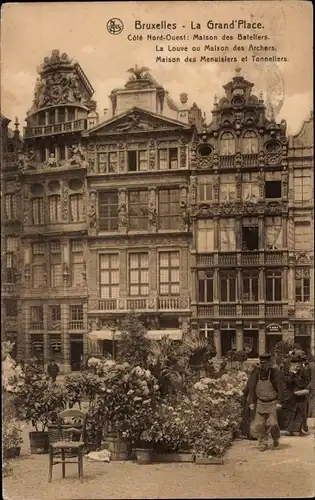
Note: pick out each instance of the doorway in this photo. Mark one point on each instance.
(76, 354)
(228, 341)
(271, 341)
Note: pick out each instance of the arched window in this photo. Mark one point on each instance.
(227, 144)
(250, 142)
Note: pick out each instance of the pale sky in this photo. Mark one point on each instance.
(31, 31)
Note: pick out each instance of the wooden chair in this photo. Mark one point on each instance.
(68, 441)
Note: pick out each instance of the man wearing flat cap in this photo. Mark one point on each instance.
(265, 393)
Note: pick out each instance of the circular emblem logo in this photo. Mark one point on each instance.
(115, 26)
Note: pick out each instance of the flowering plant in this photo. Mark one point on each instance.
(128, 398)
(11, 429)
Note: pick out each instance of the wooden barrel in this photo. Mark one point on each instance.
(119, 448)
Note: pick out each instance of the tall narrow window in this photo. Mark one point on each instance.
(38, 265)
(228, 235)
(169, 208)
(76, 207)
(227, 187)
(76, 317)
(54, 208)
(273, 233)
(302, 285)
(54, 313)
(249, 236)
(108, 211)
(206, 331)
(143, 160)
(10, 206)
(227, 144)
(77, 263)
(302, 185)
(55, 264)
(168, 159)
(169, 273)
(11, 308)
(227, 286)
(173, 156)
(10, 257)
(302, 235)
(138, 209)
(109, 276)
(139, 274)
(250, 285)
(250, 186)
(250, 142)
(37, 317)
(205, 189)
(38, 210)
(205, 235)
(273, 286)
(205, 286)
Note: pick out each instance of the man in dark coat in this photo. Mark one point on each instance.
(265, 390)
(53, 370)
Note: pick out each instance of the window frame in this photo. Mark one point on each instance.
(112, 221)
(111, 285)
(230, 278)
(138, 270)
(140, 221)
(273, 276)
(172, 215)
(250, 275)
(169, 268)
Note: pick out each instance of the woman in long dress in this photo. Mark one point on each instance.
(293, 416)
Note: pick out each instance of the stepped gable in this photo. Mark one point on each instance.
(61, 81)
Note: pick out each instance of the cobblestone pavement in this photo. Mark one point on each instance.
(288, 471)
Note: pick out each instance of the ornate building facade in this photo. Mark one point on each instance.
(207, 227)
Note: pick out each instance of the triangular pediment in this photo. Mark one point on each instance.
(136, 120)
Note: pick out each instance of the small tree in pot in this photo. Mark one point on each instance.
(37, 401)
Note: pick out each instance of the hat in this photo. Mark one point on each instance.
(265, 356)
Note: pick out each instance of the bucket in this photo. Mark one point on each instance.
(119, 448)
(39, 442)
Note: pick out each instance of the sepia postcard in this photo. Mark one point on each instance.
(157, 243)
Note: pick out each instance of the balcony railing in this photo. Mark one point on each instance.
(136, 304)
(250, 160)
(205, 260)
(227, 259)
(206, 311)
(107, 304)
(250, 310)
(168, 303)
(60, 128)
(227, 161)
(75, 325)
(9, 288)
(227, 310)
(273, 310)
(250, 259)
(276, 258)
(37, 325)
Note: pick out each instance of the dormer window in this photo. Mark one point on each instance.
(250, 142)
(227, 144)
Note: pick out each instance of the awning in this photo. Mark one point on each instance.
(172, 333)
(104, 334)
(108, 334)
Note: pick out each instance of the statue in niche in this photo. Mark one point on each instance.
(122, 215)
(92, 217)
(152, 214)
(52, 162)
(184, 214)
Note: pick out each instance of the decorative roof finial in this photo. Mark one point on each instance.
(261, 96)
(215, 100)
(16, 124)
(238, 69)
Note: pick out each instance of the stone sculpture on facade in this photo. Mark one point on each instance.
(137, 73)
(77, 156)
(152, 214)
(122, 215)
(26, 161)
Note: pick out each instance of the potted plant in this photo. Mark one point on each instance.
(37, 401)
(12, 438)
